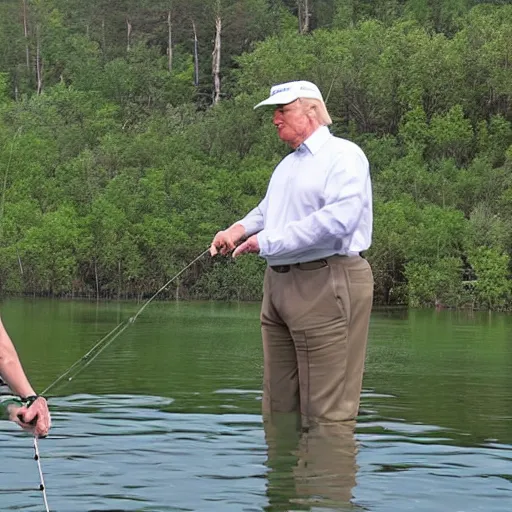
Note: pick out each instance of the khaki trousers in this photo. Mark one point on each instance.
(315, 329)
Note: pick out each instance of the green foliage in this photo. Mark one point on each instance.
(420, 246)
(120, 171)
(388, 251)
(451, 135)
(48, 252)
(487, 229)
(494, 137)
(437, 283)
(492, 284)
(438, 233)
(4, 88)
(240, 279)
(414, 129)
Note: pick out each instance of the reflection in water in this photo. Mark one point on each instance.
(124, 453)
(312, 467)
(168, 418)
(130, 453)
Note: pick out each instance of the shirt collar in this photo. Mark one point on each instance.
(316, 140)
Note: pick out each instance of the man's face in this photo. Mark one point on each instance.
(292, 123)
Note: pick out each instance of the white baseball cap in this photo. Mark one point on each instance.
(282, 94)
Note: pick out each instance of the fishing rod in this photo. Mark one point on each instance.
(92, 354)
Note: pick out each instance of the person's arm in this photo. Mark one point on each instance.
(11, 369)
(32, 412)
(253, 222)
(225, 241)
(346, 192)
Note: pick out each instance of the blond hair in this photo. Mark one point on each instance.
(321, 114)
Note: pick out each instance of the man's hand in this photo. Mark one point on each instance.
(34, 419)
(250, 245)
(225, 241)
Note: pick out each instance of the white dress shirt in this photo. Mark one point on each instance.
(318, 203)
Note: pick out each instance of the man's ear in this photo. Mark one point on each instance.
(313, 115)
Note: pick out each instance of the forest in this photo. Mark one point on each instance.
(128, 139)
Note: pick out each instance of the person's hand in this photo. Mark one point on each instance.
(225, 241)
(250, 245)
(34, 419)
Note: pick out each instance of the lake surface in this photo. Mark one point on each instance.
(167, 418)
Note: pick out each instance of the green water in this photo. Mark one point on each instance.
(168, 416)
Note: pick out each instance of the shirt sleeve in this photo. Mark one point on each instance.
(345, 195)
(253, 222)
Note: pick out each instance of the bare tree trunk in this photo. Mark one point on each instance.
(119, 279)
(5, 182)
(196, 56)
(216, 59)
(169, 43)
(304, 16)
(19, 260)
(39, 63)
(25, 31)
(104, 41)
(97, 280)
(128, 34)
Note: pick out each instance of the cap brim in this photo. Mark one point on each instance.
(281, 98)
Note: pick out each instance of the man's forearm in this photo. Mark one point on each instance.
(253, 222)
(237, 232)
(14, 376)
(11, 369)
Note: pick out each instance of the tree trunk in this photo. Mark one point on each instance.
(128, 34)
(104, 41)
(97, 280)
(25, 31)
(196, 56)
(119, 279)
(4, 187)
(169, 43)
(304, 15)
(19, 260)
(39, 64)
(216, 59)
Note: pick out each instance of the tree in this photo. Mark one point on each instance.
(49, 251)
(492, 284)
(436, 284)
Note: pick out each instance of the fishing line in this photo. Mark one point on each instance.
(93, 353)
(83, 358)
(102, 344)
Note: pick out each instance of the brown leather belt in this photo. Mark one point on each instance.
(308, 265)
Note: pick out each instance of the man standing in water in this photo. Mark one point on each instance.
(312, 226)
(27, 409)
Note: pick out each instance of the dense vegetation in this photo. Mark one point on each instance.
(128, 138)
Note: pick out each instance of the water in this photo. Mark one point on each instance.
(168, 417)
